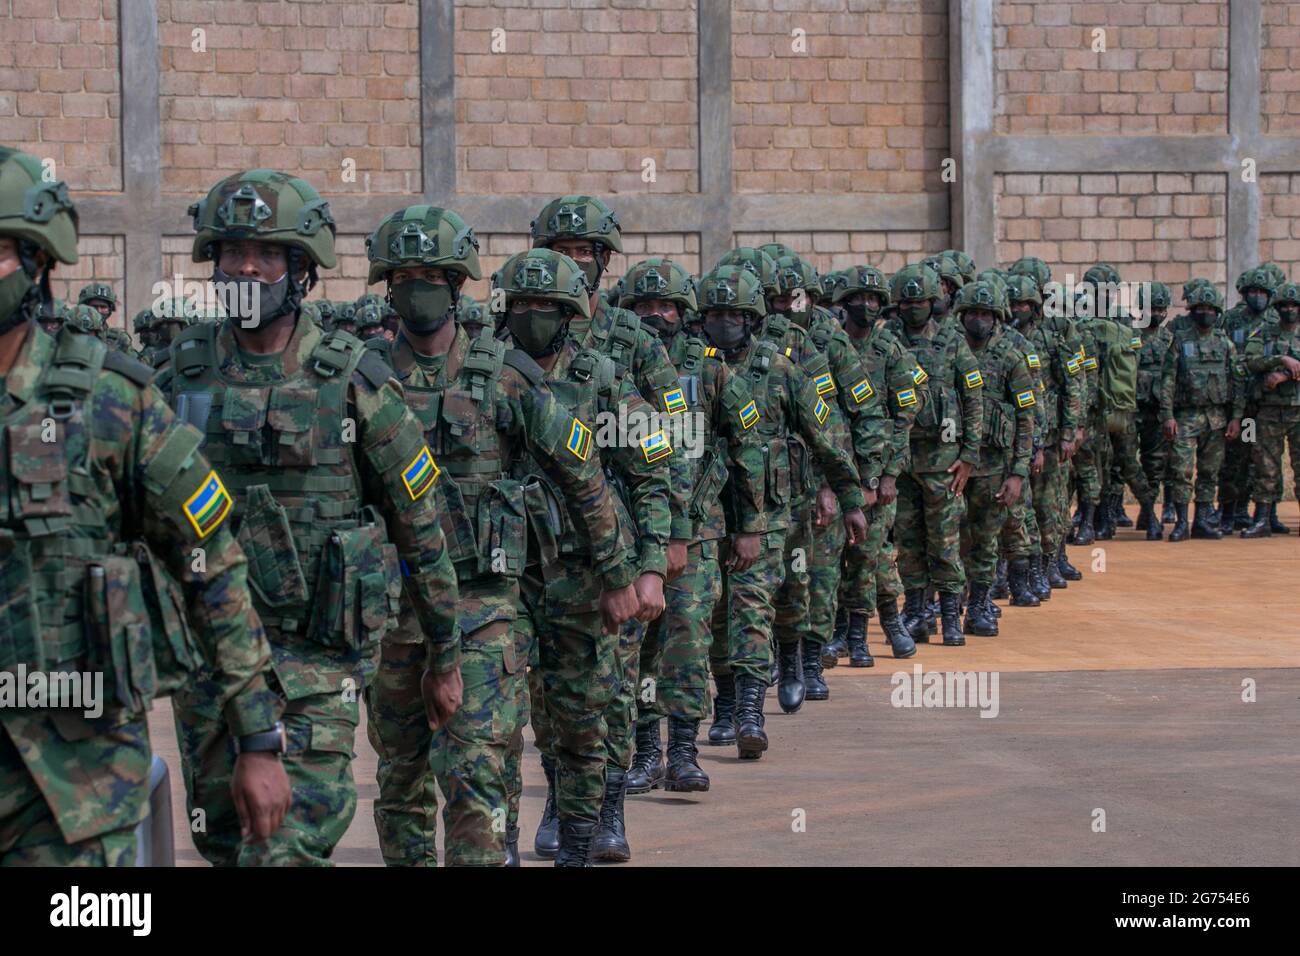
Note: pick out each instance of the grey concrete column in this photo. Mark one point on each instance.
(715, 143)
(141, 128)
(1244, 17)
(438, 100)
(971, 85)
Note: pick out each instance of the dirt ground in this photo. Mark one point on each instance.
(1122, 736)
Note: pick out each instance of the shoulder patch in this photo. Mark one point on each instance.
(674, 401)
(825, 383)
(974, 379)
(128, 368)
(1031, 359)
(420, 474)
(906, 397)
(1073, 365)
(820, 411)
(655, 447)
(748, 415)
(579, 441)
(374, 369)
(861, 392)
(208, 506)
(1025, 399)
(919, 376)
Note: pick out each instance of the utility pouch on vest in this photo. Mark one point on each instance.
(117, 633)
(546, 521)
(176, 653)
(358, 589)
(462, 543)
(709, 482)
(275, 570)
(998, 426)
(20, 624)
(778, 475)
(800, 477)
(502, 529)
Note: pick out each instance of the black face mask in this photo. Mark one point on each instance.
(860, 315)
(255, 304)
(539, 333)
(726, 335)
(915, 316)
(1022, 319)
(15, 292)
(940, 308)
(978, 329)
(665, 326)
(1205, 320)
(424, 306)
(1289, 314)
(1257, 301)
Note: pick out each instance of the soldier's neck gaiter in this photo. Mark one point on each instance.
(860, 315)
(13, 292)
(1257, 302)
(915, 317)
(424, 306)
(253, 303)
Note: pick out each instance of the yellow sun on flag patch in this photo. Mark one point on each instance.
(674, 401)
(1072, 365)
(1032, 360)
(825, 383)
(208, 506)
(907, 397)
(656, 447)
(420, 474)
(579, 440)
(919, 376)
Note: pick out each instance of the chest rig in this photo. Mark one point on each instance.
(784, 451)
(618, 341)
(937, 358)
(1202, 370)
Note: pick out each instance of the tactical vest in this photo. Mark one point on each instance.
(319, 564)
(999, 413)
(71, 598)
(1288, 391)
(937, 357)
(1202, 374)
(1044, 347)
(1150, 358)
(783, 450)
(619, 341)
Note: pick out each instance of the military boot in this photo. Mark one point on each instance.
(512, 846)
(1122, 520)
(723, 731)
(575, 842)
(1052, 571)
(838, 647)
(1227, 517)
(932, 612)
(814, 686)
(978, 619)
(751, 740)
(950, 612)
(1068, 570)
(1000, 590)
(1275, 522)
(790, 690)
(1148, 522)
(892, 624)
(610, 841)
(648, 763)
(1179, 532)
(914, 615)
(859, 653)
(684, 772)
(1084, 534)
(1168, 515)
(1203, 525)
(1022, 594)
(1259, 525)
(1038, 579)
(547, 841)
(1105, 518)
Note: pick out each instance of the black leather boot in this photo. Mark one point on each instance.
(575, 842)
(978, 619)
(1105, 518)
(1169, 515)
(547, 841)
(723, 731)
(892, 624)
(1022, 594)
(751, 740)
(512, 846)
(1068, 570)
(1000, 590)
(1227, 517)
(1179, 532)
(1052, 571)
(838, 647)
(859, 653)
(1203, 526)
(1275, 522)
(684, 772)
(814, 686)
(790, 689)
(610, 842)
(1259, 526)
(1038, 578)
(648, 761)
(1122, 520)
(950, 613)
(932, 611)
(1084, 534)
(914, 615)
(1148, 522)
(1144, 514)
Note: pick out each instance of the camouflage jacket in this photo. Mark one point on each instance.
(1202, 371)
(1062, 382)
(895, 375)
(1265, 349)
(1151, 357)
(1034, 365)
(1010, 397)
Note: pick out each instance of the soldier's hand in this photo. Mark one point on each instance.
(1036, 463)
(888, 490)
(1067, 449)
(826, 507)
(617, 607)
(855, 522)
(1292, 365)
(1009, 493)
(744, 551)
(676, 558)
(443, 695)
(1273, 379)
(960, 471)
(1169, 429)
(870, 497)
(1233, 430)
(261, 791)
(650, 592)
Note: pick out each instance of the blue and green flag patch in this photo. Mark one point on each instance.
(1026, 399)
(974, 379)
(420, 474)
(579, 440)
(907, 397)
(748, 415)
(825, 383)
(861, 392)
(656, 447)
(208, 506)
(820, 411)
(674, 401)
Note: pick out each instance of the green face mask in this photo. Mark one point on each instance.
(538, 333)
(424, 306)
(13, 289)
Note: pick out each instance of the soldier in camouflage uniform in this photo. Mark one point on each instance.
(481, 406)
(97, 529)
(324, 313)
(573, 583)
(871, 579)
(100, 297)
(997, 481)
(332, 480)
(470, 315)
(945, 447)
(951, 282)
(785, 404)
(1273, 360)
(345, 318)
(1202, 398)
(1152, 447)
(166, 321)
(674, 670)
(370, 326)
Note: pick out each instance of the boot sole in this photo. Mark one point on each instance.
(722, 742)
(751, 748)
(546, 854)
(691, 786)
(903, 657)
(961, 643)
(611, 855)
(870, 663)
(654, 786)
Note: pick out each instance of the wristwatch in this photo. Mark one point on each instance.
(872, 483)
(267, 741)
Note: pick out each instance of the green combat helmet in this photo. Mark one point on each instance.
(325, 311)
(345, 314)
(916, 281)
(84, 318)
(793, 274)
(1191, 285)
(142, 324)
(861, 279)
(733, 288)
(661, 279)
(757, 262)
(980, 294)
(949, 272)
(470, 315)
(1257, 278)
(40, 216)
(778, 249)
(965, 264)
(576, 217)
(1034, 267)
(1287, 292)
(831, 281)
(548, 276)
(1205, 295)
(1275, 271)
(100, 291)
(1161, 297)
(1023, 289)
(370, 320)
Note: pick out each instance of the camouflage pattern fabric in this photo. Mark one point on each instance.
(1277, 420)
(1235, 480)
(1202, 386)
(743, 619)
(675, 653)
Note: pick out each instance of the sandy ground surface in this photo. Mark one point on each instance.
(1120, 702)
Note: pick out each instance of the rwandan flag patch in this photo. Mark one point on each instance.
(579, 440)
(919, 376)
(907, 397)
(420, 474)
(1072, 365)
(1031, 360)
(1135, 343)
(820, 411)
(861, 392)
(748, 415)
(208, 506)
(1090, 362)
(674, 401)
(825, 383)
(974, 379)
(655, 447)
(1026, 399)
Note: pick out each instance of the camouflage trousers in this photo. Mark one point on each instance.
(1125, 468)
(620, 715)
(467, 758)
(870, 575)
(1234, 474)
(30, 834)
(793, 597)
(826, 560)
(1047, 491)
(1277, 429)
(1199, 445)
(1153, 449)
(320, 729)
(675, 652)
(981, 530)
(927, 532)
(1092, 460)
(744, 619)
(1018, 536)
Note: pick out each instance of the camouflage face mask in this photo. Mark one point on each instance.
(424, 306)
(13, 291)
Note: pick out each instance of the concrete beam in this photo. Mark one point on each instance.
(1107, 154)
(1243, 127)
(438, 99)
(972, 128)
(715, 142)
(135, 212)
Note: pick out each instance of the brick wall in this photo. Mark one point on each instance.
(1164, 69)
(1163, 226)
(829, 251)
(291, 85)
(59, 87)
(587, 93)
(1279, 222)
(1279, 65)
(865, 109)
